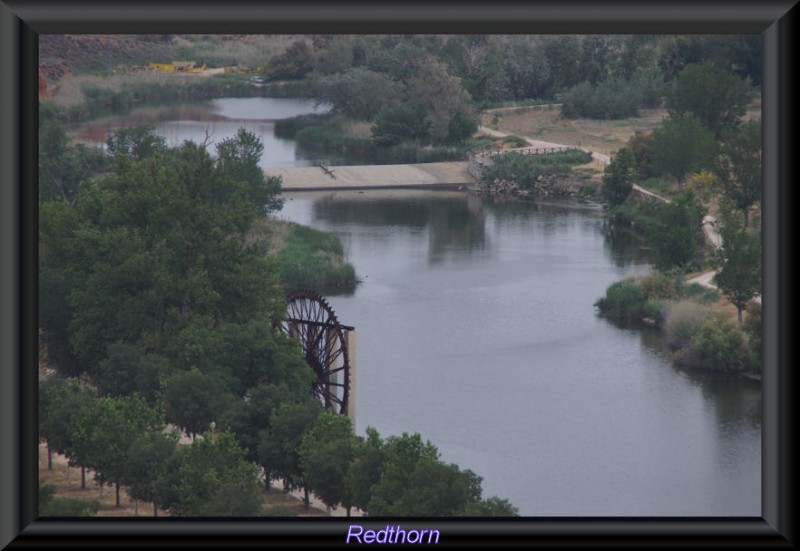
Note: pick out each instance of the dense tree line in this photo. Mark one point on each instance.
(156, 305)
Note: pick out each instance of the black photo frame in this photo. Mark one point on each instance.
(22, 21)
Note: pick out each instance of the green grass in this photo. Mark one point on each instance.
(315, 259)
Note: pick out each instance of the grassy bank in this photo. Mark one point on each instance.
(699, 327)
(333, 138)
(308, 258)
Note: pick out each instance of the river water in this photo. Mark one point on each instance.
(475, 328)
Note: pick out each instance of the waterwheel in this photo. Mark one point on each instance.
(323, 340)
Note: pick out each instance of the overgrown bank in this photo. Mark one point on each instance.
(699, 328)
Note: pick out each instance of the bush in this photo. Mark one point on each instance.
(612, 99)
(660, 285)
(721, 345)
(624, 302)
(683, 321)
(525, 169)
(753, 327)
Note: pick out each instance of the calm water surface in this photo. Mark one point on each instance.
(218, 119)
(475, 327)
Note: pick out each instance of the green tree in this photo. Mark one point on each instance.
(147, 464)
(71, 418)
(63, 167)
(137, 142)
(491, 507)
(619, 177)
(128, 369)
(294, 63)
(365, 468)
(358, 93)
(398, 124)
(278, 449)
(738, 167)
(717, 98)
(325, 453)
(675, 234)
(738, 260)
(683, 145)
(118, 421)
(215, 479)
(194, 400)
(237, 159)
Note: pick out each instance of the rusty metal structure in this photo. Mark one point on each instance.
(324, 341)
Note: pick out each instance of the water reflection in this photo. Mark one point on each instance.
(455, 222)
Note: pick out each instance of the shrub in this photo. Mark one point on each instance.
(683, 322)
(656, 310)
(624, 302)
(753, 328)
(721, 345)
(612, 99)
(660, 285)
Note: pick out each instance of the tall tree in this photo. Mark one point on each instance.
(619, 177)
(366, 468)
(738, 260)
(682, 145)
(215, 479)
(738, 167)
(118, 421)
(147, 464)
(325, 453)
(716, 97)
(675, 234)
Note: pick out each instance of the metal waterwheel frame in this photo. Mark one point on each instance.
(311, 320)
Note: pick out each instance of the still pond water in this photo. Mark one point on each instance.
(475, 328)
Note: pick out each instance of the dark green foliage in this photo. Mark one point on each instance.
(714, 96)
(294, 63)
(610, 99)
(63, 167)
(415, 483)
(753, 328)
(116, 422)
(491, 507)
(214, 479)
(358, 92)
(325, 453)
(738, 260)
(51, 506)
(738, 167)
(147, 465)
(366, 467)
(676, 233)
(682, 145)
(618, 177)
(623, 303)
(398, 124)
(641, 145)
(137, 142)
(278, 450)
(237, 160)
(128, 369)
(525, 169)
(194, 399)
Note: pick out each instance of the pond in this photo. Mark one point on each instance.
(476, 328)
(213, 121)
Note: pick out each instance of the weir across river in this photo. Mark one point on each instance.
(425, 175)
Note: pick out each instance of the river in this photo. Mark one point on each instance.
(475, 328)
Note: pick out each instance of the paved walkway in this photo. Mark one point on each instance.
(424, 175)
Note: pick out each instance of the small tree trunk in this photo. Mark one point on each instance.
(739, 313)
(155, 509)
(117, 489)
(306, 501)
(348, 511)
(49, 458)
(83, 477)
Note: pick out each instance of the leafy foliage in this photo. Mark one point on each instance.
(526, 169)
(682, 145)
(619, 177)
(738, 167)
(675, 234)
